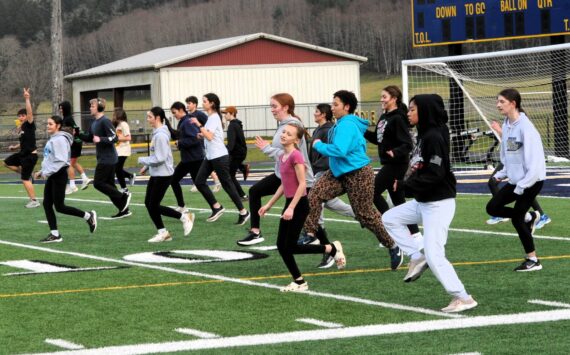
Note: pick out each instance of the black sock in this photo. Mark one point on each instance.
(333, 251)
(300, 282)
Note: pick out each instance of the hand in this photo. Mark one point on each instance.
(195, 121)
(263, 210)
(96, 139)
(390, 153)
(27, 93)
(395, 187)
(316, 141)
(142, 171)
(12, 147)
(260, 142)
(200, 136)
(38, 175)
(288, 214)
(496, 126)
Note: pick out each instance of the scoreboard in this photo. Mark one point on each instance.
(441, 22)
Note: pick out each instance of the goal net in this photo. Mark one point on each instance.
(469, 85)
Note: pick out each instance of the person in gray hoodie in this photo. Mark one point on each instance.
(57, 152)
(522, 156)
(161, 168)
(283, 109)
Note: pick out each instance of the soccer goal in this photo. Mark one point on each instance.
(469, 85)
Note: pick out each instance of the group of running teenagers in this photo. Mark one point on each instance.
(312, 173)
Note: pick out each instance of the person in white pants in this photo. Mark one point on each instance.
(432, 184)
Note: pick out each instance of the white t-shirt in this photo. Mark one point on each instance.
(123, 148)
(216, 147)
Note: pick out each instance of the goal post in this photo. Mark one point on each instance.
(541, 74)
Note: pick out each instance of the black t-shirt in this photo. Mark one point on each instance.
(68, 121)
(27, 138)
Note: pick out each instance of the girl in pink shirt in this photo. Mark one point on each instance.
(294, 187)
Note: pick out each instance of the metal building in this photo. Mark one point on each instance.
(243, 71)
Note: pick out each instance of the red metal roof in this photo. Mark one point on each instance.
(260, 51)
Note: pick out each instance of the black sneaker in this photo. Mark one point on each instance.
(251, 239)
(306, 239)
(123, 214)
(216, 213)
(326, 262)
(52, 239)
(242, 219)
(126, 201)
(534, 219)
(396, 258)
(92, 221)
(529, 265)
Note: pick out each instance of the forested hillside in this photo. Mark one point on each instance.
(101, 31)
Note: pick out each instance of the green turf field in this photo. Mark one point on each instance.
(196, 299)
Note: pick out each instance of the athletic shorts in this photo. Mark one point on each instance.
(76, 149)
(27, 164)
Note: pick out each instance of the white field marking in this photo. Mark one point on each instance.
(69, 270)
(319, 323)
(197, 333)
(43, 221)
(236, 280)
(326, 334)
(563, 185)
(65, 344)
(467, 354)
(267, 248)
(550, 303)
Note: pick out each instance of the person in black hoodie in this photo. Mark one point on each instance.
(392, 136)
(432, 184)
(67, 113)
(237, 148)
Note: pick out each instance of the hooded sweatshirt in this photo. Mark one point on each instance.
(318, 161)
(347, 147)
(237, 147)
(392, 133)
(431, 177)
(190, 146)
(275, 149)
(160, 162)
(57, 153)
(522, 154)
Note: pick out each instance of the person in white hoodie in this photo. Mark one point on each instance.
(160, 167)
(57, 155)
(522, 156)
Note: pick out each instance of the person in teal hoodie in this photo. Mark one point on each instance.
(350, 172)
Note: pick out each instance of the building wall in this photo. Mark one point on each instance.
(253, 85)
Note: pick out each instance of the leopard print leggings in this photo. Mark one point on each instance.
(359, 186)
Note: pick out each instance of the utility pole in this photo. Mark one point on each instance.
(56, 56)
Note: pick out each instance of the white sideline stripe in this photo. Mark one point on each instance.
(550, 303)
(319, 323)
(65, 344)
(234, 280)
(326, 334)
(197, 333)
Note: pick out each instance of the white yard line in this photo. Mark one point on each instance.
(64, 344)
(326, 334)
(234, 280)
(550, 303)
(196, 333)
(319, 323)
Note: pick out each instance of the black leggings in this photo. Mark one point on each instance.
(104, 181)
(181, 170)
(264, 187)
(494, 187)
(121, 172)
(383, 181)
(289, 234)
(155, 190)
(221, 166)
(497, 207)
(54, 196)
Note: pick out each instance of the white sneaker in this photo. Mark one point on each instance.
(133, 179)
(69, 190)
(182, 209)
(193, 188)
(85, 184)
(160, 237)
(339, 257)
(187, 222)
(217, 186)
(460, 305)
(124, 190)
(32, 204)
(415, 269)
(295, 287)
